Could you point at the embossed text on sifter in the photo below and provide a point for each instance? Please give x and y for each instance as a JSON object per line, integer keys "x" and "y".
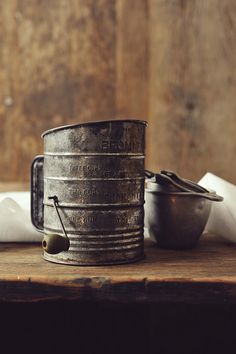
{"x": 87, "y": 192}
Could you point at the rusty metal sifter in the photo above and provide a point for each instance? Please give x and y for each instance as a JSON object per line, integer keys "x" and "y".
{"x": 87, "y": 192}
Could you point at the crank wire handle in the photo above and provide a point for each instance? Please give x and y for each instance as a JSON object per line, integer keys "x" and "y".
{"x": 55, "y": 199}
{"x": 56, "y": 204}
{"x": 54, "y": 243}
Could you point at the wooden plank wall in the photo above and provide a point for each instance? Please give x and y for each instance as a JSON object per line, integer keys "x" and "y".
{"x": 192, "y": 100}
{"x": 171, "y": 62}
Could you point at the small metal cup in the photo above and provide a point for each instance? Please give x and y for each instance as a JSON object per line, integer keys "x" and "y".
{"x": 176, "y": 219}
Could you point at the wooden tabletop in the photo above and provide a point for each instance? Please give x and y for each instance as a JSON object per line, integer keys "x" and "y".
{"x": 206, "y": 274}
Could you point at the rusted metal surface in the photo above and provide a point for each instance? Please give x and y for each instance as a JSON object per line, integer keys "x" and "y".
{"x": 96, "y": 170}
{"x": 37, "y": 192}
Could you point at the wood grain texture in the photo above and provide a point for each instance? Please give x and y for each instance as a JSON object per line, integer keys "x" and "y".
{"x": 206, "y": 274}
{"x": 57, "y": 67}
{"x": 132, "y": 59}
{"x": 14, "y": 186}
{"x": 192, "y": 102}
{"x": 170, "y": 62}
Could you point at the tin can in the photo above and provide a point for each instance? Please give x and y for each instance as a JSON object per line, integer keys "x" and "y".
{"x": 96, "y": 171}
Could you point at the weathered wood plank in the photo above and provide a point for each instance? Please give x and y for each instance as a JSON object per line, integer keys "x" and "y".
{"x": 172, "y": 62}
{"x": 192, "y": 87}
{"x": 132, "y": 59}
{"x": 206, "y": 274}
{"x": 14, "y": 186}
{"x": 57, "y": 67}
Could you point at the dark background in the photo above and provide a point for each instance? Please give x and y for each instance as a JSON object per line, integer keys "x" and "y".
{"x": 104, "y": 328}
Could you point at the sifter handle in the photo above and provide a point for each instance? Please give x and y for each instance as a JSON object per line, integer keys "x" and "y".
{"x": 37, "y": 192}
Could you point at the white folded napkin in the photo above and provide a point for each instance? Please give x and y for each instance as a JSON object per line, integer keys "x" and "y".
{"x": 222, "y": 219}
{"x": 15, "y": 223}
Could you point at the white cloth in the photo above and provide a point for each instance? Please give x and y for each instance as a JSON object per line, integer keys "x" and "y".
{"x": 15, "y": 222}
{"x": 222, "y": 219}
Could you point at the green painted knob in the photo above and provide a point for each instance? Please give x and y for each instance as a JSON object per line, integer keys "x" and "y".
{"x": 53, "y": 243}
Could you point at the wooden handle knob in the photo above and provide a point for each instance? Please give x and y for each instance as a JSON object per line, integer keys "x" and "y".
{"x": 54, "y": 243}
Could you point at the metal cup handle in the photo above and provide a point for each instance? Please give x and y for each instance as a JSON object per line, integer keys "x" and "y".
{"x": 37, "y": 193}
